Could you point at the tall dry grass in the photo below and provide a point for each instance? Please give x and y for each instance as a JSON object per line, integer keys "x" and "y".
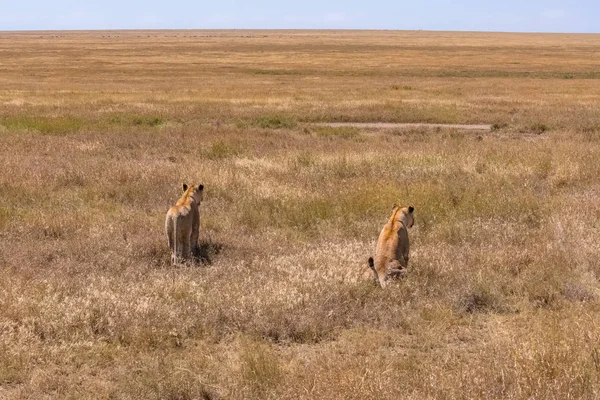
{"x": 98, "y": 131}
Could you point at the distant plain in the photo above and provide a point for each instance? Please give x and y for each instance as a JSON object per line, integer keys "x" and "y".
{"x": 98, "y": 130}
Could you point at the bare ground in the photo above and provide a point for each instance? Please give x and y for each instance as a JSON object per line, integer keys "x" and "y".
{"x": 393, "y": 125}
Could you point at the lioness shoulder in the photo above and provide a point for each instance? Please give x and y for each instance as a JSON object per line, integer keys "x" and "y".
{"x": 183, "y": 222}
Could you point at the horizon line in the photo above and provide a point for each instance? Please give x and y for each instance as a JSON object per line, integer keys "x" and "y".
{"x": 292, "y": 29}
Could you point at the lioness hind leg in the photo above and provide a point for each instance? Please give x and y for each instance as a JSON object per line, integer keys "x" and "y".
{"x": 395, "y": 273}
{"x": 178, "y": 248}
{"x": 195, "y": 233}
{"x": 185, "y": 244}
{"x": 171, "y": 239}
{"x": 194, "y": 243}
{"x": 394, "y": 270}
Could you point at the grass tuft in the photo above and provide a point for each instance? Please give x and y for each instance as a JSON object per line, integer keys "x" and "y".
{"x": 499, "y": 126}
{"x": 259, "y": 366}
{"x": 538, "y": 128}
{"x": 148, "y": 121}
{"x": 220, "y": 150}
{"x": 336, "y": 132}
{"x": 276, "y": 122}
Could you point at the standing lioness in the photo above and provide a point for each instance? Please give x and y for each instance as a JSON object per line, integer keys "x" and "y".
{"x": 183, "y": 222}
{"x": 391, "y": 255}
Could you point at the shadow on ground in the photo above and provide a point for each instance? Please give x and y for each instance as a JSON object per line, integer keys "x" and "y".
{"x": 206, "y": 252}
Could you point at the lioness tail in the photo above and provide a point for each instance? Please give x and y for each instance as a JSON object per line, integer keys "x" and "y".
{"x": 372, "y": 266}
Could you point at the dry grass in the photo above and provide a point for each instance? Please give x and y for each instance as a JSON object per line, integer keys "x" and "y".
{"x": 98, "y": 130}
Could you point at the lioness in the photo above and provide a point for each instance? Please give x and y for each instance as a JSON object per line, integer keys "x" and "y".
{"x": 391, "y": 255}
{"x": 183, "y": 222}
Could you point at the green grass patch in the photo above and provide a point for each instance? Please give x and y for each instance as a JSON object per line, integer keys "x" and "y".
{"x": 302, "y": 215}
{"x": 308, "y": 216}
{"x": 220, "y": 150}
{"x": 275, "y": 122}
{"x": 45, "y": 125}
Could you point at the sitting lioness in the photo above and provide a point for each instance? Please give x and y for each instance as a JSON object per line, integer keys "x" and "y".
{"x": 391, "y": 255}
{"x": 183, "y": 222}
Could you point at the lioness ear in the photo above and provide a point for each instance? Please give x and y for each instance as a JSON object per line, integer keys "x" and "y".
{"x": 184, "y": 187}
{"x": 201, "y": 187}
{"x": 394, "y": 206}
{"x": 411, "y": 209}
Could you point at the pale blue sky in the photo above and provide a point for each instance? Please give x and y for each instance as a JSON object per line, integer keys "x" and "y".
{"x": 479, "y": 15}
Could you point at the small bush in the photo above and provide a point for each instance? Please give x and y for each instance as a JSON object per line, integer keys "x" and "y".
{"x": 480, "y": 299}
{"x": 148, "y": 121}
{"x": 576, "y": 292}
{"x": 498, "y": 126}
{"x": 538, "y": 128}
{"x": 137, "y": 120}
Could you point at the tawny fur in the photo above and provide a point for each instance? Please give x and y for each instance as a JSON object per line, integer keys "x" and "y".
{"x": 183, "y": 223}
{"x": 392, "y": 252}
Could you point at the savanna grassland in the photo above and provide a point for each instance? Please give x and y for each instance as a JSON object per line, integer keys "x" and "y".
{"x": 98, "y": 130}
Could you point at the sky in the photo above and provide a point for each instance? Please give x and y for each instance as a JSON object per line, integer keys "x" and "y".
{"x": 463, "y": 15}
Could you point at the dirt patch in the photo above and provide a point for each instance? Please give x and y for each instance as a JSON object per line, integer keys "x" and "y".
{"x": 392, "y": 125}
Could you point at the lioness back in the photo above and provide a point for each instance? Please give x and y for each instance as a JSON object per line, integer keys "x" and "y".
{"x": 183, "y": 222}
{"x": 393, "y": 247}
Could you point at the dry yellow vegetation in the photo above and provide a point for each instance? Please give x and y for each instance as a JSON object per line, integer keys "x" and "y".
{"x": 98, "y": 130}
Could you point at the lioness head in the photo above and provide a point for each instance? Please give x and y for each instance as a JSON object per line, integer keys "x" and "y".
{"x": 195, "y": 191}
{"x": 404, "y": 214}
